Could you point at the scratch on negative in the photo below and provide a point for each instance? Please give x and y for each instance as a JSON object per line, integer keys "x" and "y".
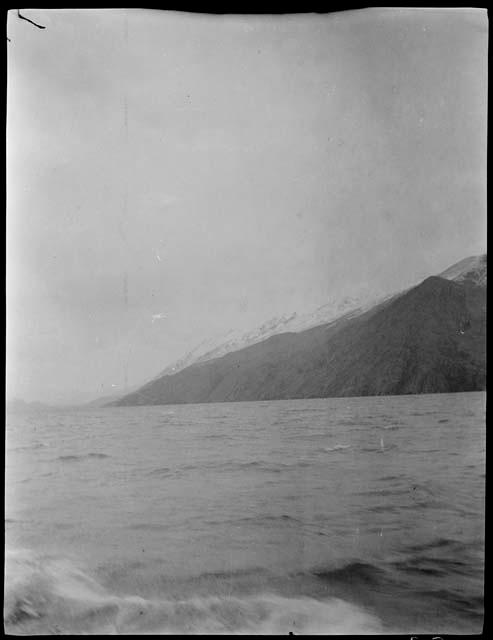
{"x": 40, "y": 26}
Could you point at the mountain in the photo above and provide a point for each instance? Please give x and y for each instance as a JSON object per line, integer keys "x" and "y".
{"x": 428, "y": 339}
{"x": 234, "y": 341}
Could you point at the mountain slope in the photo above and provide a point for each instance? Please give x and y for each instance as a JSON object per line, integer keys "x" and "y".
{"x": 234, "y": 341}
{"x": 429, "y": 339}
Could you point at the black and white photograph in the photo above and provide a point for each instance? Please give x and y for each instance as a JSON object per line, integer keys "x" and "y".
{"x": 245, "y": 322}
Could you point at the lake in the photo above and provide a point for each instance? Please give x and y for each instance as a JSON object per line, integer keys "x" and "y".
{"x": 333, "y": 516}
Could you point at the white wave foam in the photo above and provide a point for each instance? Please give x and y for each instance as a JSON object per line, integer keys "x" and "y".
{"x": 337, "y": 447}
{"x": 50, "y": 595}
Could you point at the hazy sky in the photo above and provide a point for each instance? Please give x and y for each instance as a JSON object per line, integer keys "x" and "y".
{"x": 223, "y": 170}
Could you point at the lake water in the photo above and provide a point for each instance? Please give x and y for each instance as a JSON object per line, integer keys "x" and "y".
{"x": 334, "y": 516}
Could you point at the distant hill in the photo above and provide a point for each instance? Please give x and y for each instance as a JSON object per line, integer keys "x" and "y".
{"x": 428, "y": 339}
{"x": 101, "y": 402}
{"x": 16, "y": 405}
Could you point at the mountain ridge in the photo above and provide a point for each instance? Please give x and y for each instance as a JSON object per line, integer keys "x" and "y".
{"x": 429, "y": 338}
{"x": 473, "y": 267}
{"x": 214, "y": 348}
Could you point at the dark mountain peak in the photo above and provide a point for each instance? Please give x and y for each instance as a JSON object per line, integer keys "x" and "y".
{"x": 437, "y": 283}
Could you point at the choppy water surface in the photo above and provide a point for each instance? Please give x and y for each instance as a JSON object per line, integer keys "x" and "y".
{"x": 353, "y": 515}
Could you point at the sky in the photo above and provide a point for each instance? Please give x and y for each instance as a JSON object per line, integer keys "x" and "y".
{"x": 172, "y": 176}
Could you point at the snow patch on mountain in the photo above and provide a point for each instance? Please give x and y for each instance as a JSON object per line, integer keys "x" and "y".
{"x": 294, "y": 322}
{"x": 472, "y": 269}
